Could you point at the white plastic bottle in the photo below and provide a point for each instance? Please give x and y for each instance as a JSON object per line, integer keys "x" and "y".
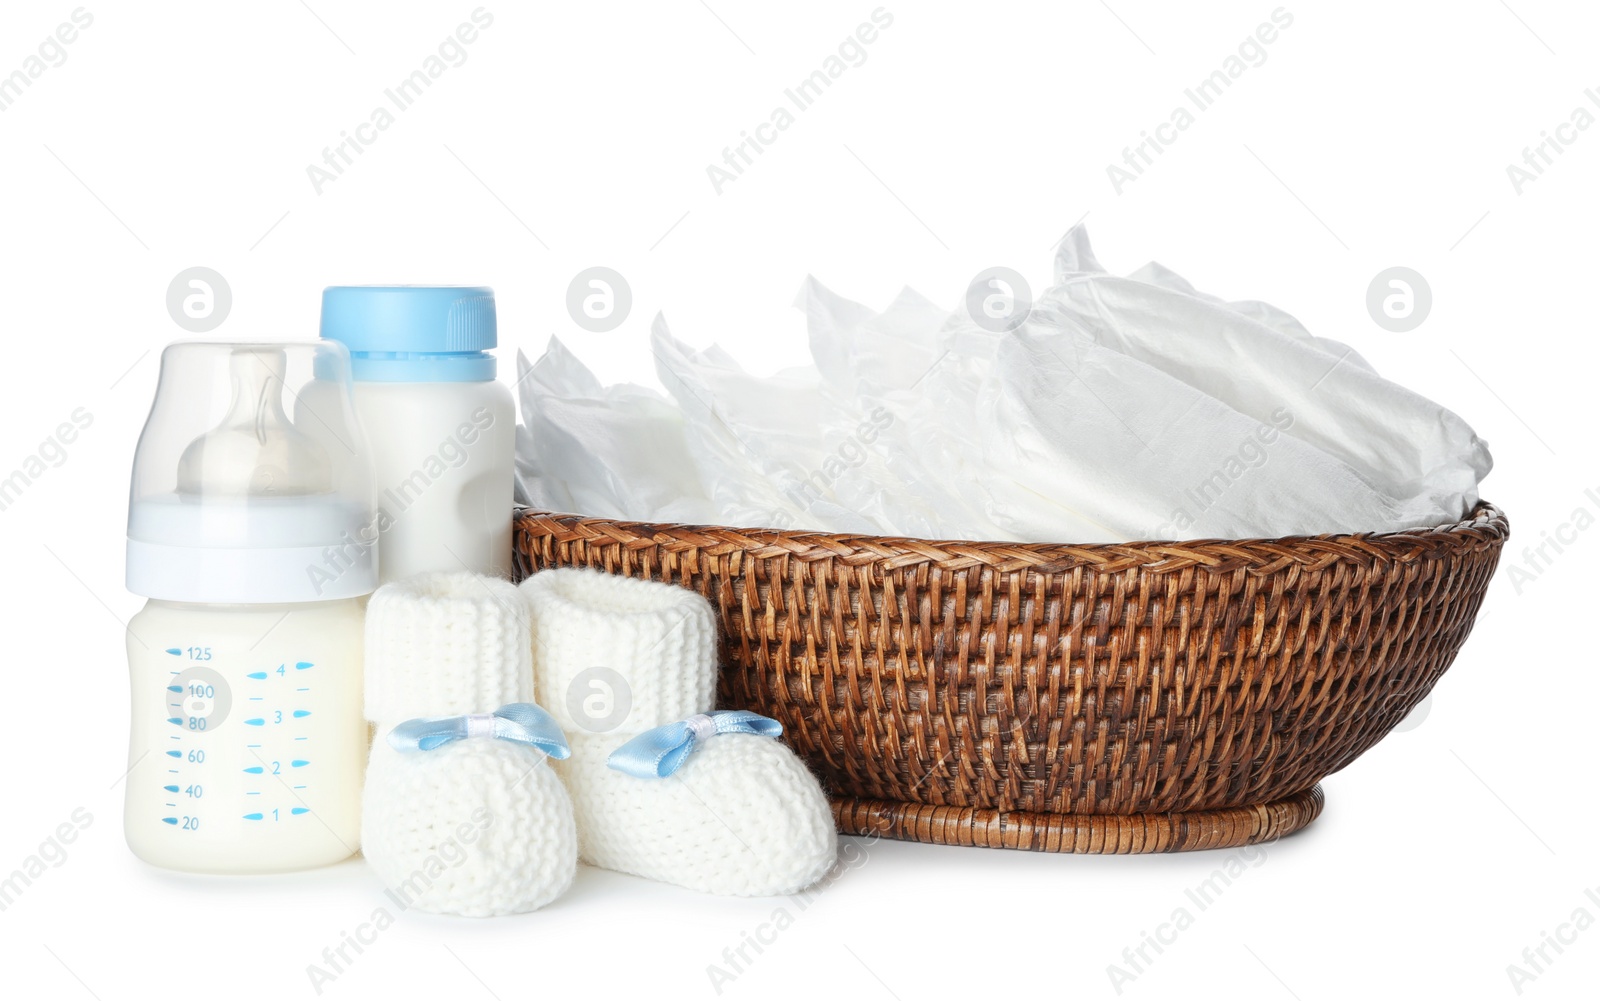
{"x": 442, "y": 431}
{"x": 245, "y": 529}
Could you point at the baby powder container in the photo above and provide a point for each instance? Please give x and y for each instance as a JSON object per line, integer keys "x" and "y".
{"x": 441, "y": 429}
{"x": 250, "y": 531}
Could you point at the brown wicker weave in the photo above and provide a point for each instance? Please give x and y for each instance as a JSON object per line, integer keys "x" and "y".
{"x": 1111, "y": 698}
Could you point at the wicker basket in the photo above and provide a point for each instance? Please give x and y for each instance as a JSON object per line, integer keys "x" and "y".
{"x": 1147, "y": 697}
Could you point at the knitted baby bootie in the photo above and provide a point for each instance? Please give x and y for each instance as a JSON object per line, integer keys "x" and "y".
{"x": 662, "y": 787}
{"x": 461, "y": 813}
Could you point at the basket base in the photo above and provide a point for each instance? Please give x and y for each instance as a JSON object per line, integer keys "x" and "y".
{"x": 1093, "y": 834}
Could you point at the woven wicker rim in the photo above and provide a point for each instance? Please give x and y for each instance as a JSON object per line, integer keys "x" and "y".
{"x": 1486, "y": 524}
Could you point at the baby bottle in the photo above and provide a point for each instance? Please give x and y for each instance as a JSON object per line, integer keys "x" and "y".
{"x": 442, "y": 431}
{"x": 250, "y": 533}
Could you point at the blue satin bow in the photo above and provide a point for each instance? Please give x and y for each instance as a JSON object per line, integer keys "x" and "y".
{"x": 657, "y": 753}
{"x": 519, "y": 722}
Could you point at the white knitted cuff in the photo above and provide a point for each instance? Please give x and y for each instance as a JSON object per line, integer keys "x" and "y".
{"x": 617, "y": 655}
{"x": 444, "y": 644}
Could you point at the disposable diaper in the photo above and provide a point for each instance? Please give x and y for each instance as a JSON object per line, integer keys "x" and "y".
{"x": 1121, "y": 408}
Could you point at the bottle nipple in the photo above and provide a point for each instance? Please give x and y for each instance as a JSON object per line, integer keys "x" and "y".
{"x": 256, "y": 450}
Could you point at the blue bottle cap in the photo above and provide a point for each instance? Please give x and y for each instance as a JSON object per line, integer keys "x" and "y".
{"x": 413, "y": 333}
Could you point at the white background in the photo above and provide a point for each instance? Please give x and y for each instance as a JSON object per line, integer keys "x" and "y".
{"x": 1375, "y": 134}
